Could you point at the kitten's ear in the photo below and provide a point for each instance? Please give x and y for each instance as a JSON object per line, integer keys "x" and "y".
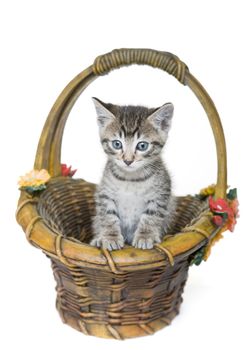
{"x": 105, "y": 117}
{"x": 161, "y": 118}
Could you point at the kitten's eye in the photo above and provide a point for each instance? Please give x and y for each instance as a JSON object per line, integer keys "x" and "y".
{"x": 142, "y": 146}
{"x": 116, "y": 144}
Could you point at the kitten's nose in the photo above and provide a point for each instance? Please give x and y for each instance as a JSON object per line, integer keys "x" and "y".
{"x": 128, "y": 162}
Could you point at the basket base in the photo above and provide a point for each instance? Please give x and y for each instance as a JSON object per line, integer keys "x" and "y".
{"x": 119, "y": 332}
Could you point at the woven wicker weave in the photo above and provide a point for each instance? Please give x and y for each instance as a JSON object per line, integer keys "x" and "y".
{"x": 129, "y": 292}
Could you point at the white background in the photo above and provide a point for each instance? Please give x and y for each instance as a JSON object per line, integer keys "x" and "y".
{"x": 44, "y": 44}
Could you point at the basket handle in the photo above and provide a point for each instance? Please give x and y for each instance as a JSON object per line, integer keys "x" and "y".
{"x": 49, "y": 148}
{"x": 125, "y": 57}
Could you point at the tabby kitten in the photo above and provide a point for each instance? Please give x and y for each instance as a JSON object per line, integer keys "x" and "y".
{"x": 134, "y": 203}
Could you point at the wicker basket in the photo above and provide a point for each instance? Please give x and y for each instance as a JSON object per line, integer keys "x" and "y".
{"x": 129, "y": 292}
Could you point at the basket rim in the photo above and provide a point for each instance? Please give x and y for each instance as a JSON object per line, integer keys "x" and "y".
{"x": 75, "y": 253}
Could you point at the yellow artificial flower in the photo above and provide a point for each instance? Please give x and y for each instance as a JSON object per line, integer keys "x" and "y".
{"x": 208, "y": 191}
{"x": 34, "y": 178}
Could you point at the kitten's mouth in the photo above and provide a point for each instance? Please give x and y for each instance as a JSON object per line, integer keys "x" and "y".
{"x": 131, "y": 167}
{"x": 135, "y": 165}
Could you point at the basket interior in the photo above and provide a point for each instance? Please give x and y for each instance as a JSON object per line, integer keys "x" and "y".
{"x": 67, "y": 206}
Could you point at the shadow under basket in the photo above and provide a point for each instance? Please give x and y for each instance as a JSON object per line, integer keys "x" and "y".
{"x": 129, "y": 292}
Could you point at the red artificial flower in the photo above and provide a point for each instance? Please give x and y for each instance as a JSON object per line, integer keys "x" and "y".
{"x": 219, "y": 205}
{"x": 234, "y": 204}
{"x": 223, "y": 206}
{"x": 217, "y": 220}
{"x": 231, "y": 223}
{"x": 66, "y": 171}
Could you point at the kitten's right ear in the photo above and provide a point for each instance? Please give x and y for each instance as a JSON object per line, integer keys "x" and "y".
{"x": 161, "y": 118}
{"x": 105, "y": 117}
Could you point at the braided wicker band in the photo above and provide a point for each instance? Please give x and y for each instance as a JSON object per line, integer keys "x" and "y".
{"x": 49, "y": 149}
{"x": 125, "y": 57}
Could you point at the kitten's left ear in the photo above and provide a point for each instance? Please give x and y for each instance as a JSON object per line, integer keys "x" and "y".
{"x": 161, "y": 118}
{"x": 105, "y": 117}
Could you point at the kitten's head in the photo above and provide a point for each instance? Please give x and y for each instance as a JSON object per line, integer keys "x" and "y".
{"x": 133, "y": 135}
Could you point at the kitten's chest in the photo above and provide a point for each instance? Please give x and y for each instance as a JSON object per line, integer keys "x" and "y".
{"x": 131, "y": 201}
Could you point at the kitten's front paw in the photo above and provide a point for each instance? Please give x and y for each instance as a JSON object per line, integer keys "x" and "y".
{"x": 145, "y": 241}
{"x": 109, "y": 242}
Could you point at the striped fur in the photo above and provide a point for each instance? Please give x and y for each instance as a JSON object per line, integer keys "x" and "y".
{"x": 134, "y": 202}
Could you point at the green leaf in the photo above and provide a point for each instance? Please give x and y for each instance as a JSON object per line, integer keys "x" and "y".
{"x": 223, "y": 214}
{"x": 232, "y": 194}
{"x": 33, "y": 189}
{"x": 197, "y": 258}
